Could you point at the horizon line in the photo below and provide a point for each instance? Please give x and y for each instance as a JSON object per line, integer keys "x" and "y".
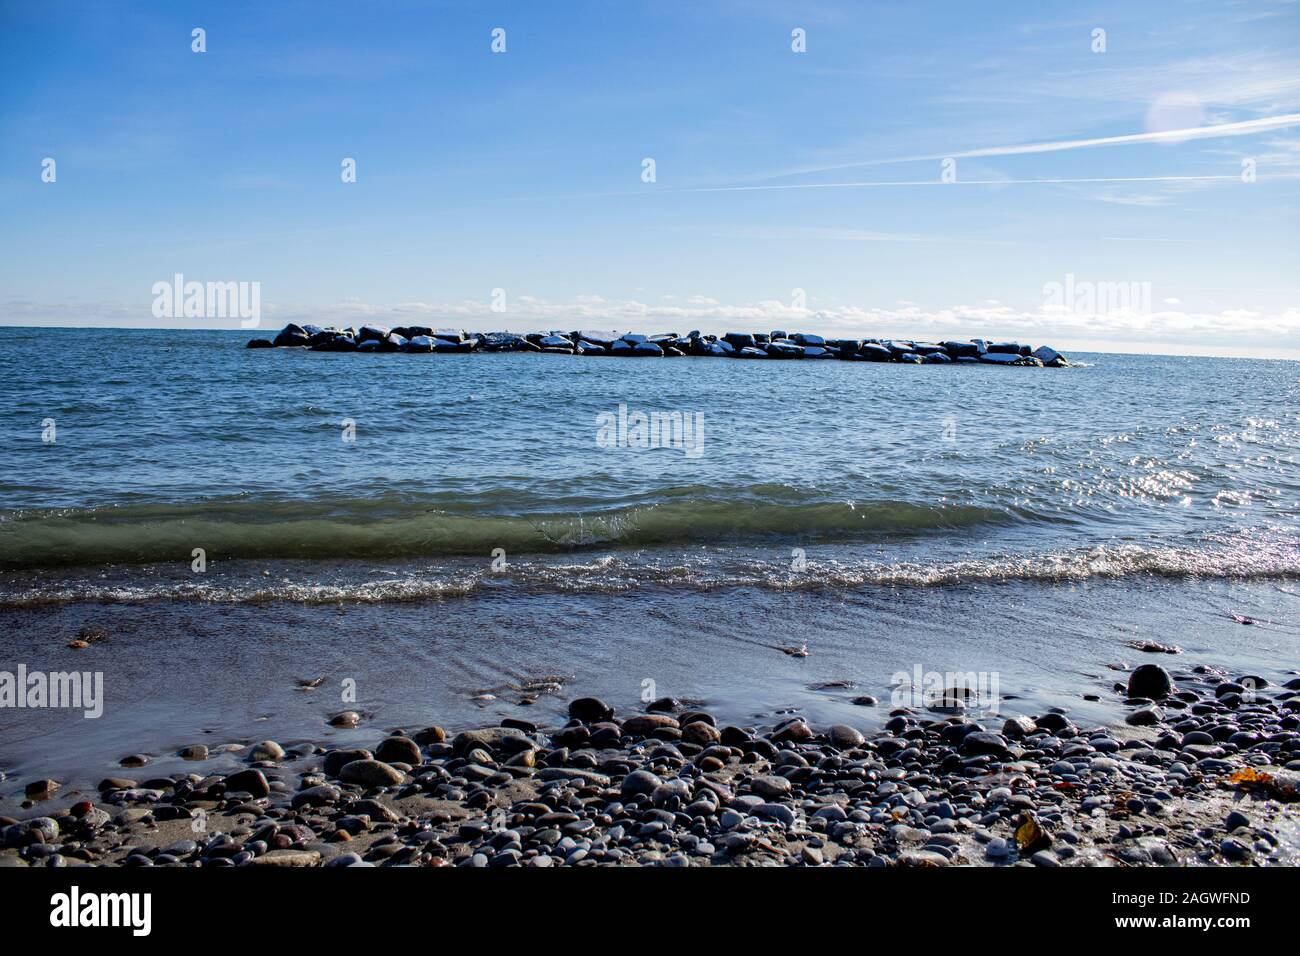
{"x": 1083, "y": 349}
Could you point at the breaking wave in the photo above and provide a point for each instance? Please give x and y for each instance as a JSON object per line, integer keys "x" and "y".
{"x": 1236, "y": 556}
{"x": 363, "y": 529}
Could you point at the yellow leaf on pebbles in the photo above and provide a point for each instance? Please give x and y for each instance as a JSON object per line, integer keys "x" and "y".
{"x": 1281, "y": 784}
{"x": 1031, "y": 837}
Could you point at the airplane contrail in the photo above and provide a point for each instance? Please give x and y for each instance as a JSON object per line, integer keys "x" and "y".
{"x": 957, "y": 182}
{"x": 1242, "y": 128}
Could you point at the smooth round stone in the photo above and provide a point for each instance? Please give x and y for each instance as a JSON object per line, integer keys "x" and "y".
{"x": 702, "y": 733}
{"x": 590, "y": 710}
{"x": 775, "y": 811}
{"x": 1143, "y": 717}
{"x": 371, "y": 773}
{"x": 398, "y": 749}
{"x": 1150, "y": 680}
{"x": 266, "y": 750}
{"x": 1234, "y": 849}
{"x": 845, "y": 737}
{"x": 998, "y": 849}
{"x": 640, "y": 782}
{"x": 772, "y": 787}
{"x": 730, "y": 819}
{"x": 670, "y": 789}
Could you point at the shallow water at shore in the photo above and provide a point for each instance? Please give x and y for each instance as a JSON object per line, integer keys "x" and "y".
{"x": 179, "y": 673}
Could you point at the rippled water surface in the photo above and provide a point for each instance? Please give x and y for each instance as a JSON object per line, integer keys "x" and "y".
{"x": 167, "y": 441}
{"x": 881, "y": 514}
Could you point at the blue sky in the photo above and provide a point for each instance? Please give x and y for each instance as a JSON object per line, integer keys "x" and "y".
{"x": 522, "y": 170}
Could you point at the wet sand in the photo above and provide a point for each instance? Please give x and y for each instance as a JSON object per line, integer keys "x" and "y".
{"x": 185, "y": 673}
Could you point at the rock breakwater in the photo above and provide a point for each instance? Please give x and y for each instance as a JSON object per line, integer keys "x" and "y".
{"x": 776, "y": 345}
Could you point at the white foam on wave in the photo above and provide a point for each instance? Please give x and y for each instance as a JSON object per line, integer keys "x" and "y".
{"x": 1238, "y": 555}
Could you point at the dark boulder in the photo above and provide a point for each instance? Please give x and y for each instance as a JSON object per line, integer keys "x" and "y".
{"x": 999, "y": 358}
{"x": 502, "y": 342}
{"x": 1144, "y": 717}
{"x": 260, "y": 344}
{"x": 783, "y": 350}
{"x": 250, "y": 781}
{"x": 958, "y": 350}
{"x": 441, "y": 345}
{"x": 292, "y": 335}
{"x": 1150, "y": 680}
{"x": 597, "y": 337}
{"x": 980, "y": 743}
{"x": 1052, "y": 722}
{"x": 590, "y": 710}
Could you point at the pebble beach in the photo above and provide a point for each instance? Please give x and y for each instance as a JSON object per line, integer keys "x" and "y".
{"x": 1205, "y": 771}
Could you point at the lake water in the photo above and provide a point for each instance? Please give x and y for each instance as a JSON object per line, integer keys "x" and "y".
{"x": 459, "y": 533}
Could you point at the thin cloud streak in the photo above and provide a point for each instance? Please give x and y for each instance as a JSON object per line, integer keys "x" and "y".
{"x": 956, "y": 182}
{"x": 1216, "y": 131}
{"x": 1244, "y": 128}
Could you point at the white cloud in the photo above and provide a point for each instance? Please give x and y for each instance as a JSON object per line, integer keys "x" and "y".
{"x": 1233, "y": 331}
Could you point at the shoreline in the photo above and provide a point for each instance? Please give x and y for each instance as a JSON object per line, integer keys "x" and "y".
{"x": 1205, "y": 771}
